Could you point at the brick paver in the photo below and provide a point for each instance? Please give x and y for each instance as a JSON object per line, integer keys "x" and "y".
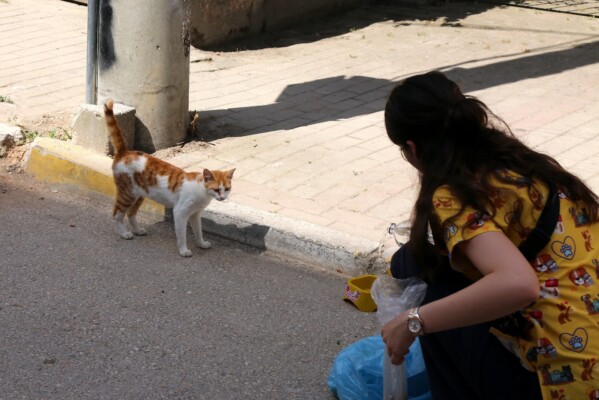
{"x": 303, "y": 123}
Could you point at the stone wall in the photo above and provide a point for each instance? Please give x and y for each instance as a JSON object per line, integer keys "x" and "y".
{"x": 215, "y": 22}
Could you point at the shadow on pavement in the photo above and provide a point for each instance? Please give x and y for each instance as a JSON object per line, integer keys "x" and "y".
{"x": 328, "y": 99}
{"x": 341, "y": 23}
{"x": 528, "y": 67}
{"x": 343, "y": 97}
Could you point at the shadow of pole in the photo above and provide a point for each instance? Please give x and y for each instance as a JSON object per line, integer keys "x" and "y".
{"x": 343, "y": 97}
{"x": 299, "y": 105}
{"x": 529, "y": 67}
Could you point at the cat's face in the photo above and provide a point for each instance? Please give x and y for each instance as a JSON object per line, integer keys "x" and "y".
{"x": 218, "y": 183}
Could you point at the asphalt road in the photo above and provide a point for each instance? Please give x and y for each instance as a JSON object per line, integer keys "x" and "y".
{"x": 85, "y": 314}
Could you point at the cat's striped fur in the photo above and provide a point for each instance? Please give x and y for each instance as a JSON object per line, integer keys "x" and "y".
{"x": 138, "y": 175}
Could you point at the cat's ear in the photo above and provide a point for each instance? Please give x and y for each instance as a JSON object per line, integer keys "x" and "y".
{"x": 229, "y": 173}
{"x": 208, "y": 175}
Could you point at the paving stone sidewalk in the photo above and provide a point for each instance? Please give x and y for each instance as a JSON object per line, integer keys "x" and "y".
{"x": 575, "y": 7}
{"x": 302, "y": 120}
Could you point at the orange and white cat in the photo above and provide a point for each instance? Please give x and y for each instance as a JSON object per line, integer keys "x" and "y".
{"x": 138, "y": 175}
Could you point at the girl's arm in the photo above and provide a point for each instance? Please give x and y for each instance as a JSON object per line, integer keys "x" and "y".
{"x": 509, "y": 284}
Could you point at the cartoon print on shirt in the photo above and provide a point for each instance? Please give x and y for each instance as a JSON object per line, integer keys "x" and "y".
{"x": 587, "y": 371}
{"x": 518, "y": 181}
{"x": 550, "y": 288}
{"x": 514, "y": 215}
{"x": 544, "y": 263}
{"x": 591, "y": 305}
{"x": 564, "y": 315}
{"x": 442, "y": 202}
{"x": 581, "y": 218}
{"x": 556, "y": 377}
{"x": 545, "y": 348}
{"x": 580, "y": 277}
{"x": 558, "y": 395}
{"x": 575, "y": 341}
{"x": 475, "y": 220}
{"x": 565, "y": 249}
{"x": 513, "y": 218}
{"x": 498, "y": 199}
{"x": 559, "y": 227}
{"x": 567, "y": 314}
{"x": 536, "y": 316}
{"x": 587, "y": 240}
{"x": 536, "y": 197}
{"x": 450, "y": 231}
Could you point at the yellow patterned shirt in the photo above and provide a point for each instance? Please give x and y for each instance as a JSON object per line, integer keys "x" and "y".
{"x": 562, "y": 344}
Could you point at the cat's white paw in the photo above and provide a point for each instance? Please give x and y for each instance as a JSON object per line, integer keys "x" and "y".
{"x": 127, "y": 235}
{"x": 185, "y": 253}
{"x": 141, "y": 232}
{"x": 204, "y": 244}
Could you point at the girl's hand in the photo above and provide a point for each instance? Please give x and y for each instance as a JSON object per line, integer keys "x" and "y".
{"x": 397, "y": 338}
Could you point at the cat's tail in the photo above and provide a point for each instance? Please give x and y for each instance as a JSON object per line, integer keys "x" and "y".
{"x": 114, "y": 130}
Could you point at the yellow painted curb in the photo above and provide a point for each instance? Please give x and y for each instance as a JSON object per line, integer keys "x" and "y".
{"x": 56, "y": 161}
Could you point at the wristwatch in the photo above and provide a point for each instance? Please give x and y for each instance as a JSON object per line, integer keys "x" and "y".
{"x": 415, "y": 324}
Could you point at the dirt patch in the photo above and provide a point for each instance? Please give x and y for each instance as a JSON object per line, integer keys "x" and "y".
{"x": 56, "y": 126}
{"x": 203, "y": 134}
{"x": 187, "y": 147}
{"x": 59, "y": 127}
{"x": 14, "y": 160}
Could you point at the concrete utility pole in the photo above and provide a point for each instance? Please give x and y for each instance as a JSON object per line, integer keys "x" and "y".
{"x": 143, "y": 62}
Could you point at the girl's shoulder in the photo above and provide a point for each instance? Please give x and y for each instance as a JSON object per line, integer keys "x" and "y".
{"x": 514, "y": 205}
{"x": 503, "y": 180}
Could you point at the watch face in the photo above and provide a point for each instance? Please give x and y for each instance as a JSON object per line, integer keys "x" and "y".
{"x": 414, "y": 325}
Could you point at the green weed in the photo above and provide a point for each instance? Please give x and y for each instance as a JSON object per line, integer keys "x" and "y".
{"x": 30, "y": 136}
{"x": 62, "y": 135}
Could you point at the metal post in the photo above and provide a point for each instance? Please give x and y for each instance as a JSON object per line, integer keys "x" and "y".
{"x": 92, "y": 52}
{"x": 143, "y": 62}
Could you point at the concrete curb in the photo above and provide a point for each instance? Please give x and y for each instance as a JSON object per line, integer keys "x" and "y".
{"x": 60, "y": 162}
{"x": 64, "y": 163}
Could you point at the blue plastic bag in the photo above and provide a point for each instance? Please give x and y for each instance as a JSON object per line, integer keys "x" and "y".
{"x": 357, "y": 372}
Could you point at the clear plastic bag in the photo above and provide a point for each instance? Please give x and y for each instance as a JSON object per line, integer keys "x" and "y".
{"x": 392, "y": 297}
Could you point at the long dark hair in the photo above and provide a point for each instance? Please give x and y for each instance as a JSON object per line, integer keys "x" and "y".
{"x": 462, "y": 144}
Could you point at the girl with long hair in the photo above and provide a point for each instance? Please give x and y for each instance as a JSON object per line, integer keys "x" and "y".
{"x": 513, "y": 268}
